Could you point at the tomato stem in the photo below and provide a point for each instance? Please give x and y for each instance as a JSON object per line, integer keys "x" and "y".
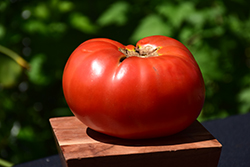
{"x": 144, "y": 51}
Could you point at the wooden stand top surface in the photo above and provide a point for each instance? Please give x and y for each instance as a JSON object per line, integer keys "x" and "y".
{"x": 77, "y": 140}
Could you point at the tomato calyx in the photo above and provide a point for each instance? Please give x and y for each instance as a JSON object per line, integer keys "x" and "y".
{"x": 140, "y": 51}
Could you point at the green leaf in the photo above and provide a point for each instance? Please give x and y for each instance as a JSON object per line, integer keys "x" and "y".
{"x": 9, "y": 71}
{"x": 176, "y": 14}
{"x": 234, "y": 23}
{"x": 35, "y": 26}
{"x": 65, "y": 6}
{"x": 82, "y": 23}
{"x": 41, "y": 11}
{"x": 196, "y": 19}
{"x": 57, "y": 27}
{"x": 244, "y": 99}
{"x": 3, "y": 5}
{"x": 2, "y": 31}
{"x": 186, "y": 33}
{"x": 219, "y": 115}
{"x": 215, "y": 13}
{"x": 26, "y": 133}
{"x": 115, "y": 14}
{"x": 36, "y": 71}
{"x": 151, "y": 25}
{"x": 207, "y": 58}
{"x": 212, "y": 32}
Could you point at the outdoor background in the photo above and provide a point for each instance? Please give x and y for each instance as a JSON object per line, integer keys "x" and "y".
{"x": 45, "y": 33}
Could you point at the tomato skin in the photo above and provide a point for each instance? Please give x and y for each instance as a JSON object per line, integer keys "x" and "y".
{"x": 140, "y": 97}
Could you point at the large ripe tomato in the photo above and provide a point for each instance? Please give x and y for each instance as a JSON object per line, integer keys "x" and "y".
{"x": 149, "y": 90}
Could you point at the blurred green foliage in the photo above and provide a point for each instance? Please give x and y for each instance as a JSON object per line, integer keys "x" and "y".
{"x": 45, "y": 33}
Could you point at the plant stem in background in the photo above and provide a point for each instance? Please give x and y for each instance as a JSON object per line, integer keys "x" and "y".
{"x": 15, "y": 57}
{"x": 5, "y": 163}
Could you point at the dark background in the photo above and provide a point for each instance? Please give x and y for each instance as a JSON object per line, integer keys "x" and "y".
{"x": 45, "y": 33}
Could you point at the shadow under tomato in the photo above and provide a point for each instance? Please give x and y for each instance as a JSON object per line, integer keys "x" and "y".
{"x": 194, "y": 133}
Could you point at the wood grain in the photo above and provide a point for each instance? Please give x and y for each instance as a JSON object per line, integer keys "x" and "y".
{"x": 82, "y": 146}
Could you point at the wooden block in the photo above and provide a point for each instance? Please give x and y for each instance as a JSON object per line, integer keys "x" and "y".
{"x": 82, "y": 146}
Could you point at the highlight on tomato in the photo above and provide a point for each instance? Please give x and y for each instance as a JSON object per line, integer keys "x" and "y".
{"x": 149, "y": 90}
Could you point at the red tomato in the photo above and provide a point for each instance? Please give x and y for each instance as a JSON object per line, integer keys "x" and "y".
{"x": 149, "y": 90}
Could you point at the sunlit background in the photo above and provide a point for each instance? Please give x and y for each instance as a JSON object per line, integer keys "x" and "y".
{"x": 37, "y": 37}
